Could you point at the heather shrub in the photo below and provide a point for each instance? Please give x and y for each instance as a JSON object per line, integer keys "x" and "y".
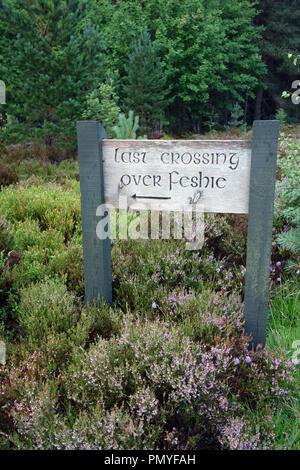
{"x": 68, "y": 263}
{"x": 8, "y": 296}
{"x": 27, "y": 234}
{"x": 238, "y": 434}
{"x": 44, "y": 253}
{"x": 50, "y": 317}
{"x": 45, "y": 171}
{"x": 30, "y": 150}
{"x": 31, "y": 268}
{"x": 105, "y": 321}
{"x": 21, "y": 381}
{"x": 225, "y": 236}
{"x": 164, "y": 377}
{"x": 6, "y": 239}
{"x": 106, "y": 430}
{"x": 205, "y": 317}
{"x": 46, "y": 306}
{"x": 52, "y": 206}
{"x": 146, "y": 271}
{"x": 41, "y": 427}
{"x": 7, "y": 175}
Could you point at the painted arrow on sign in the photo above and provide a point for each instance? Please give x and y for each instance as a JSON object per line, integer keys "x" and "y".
{"x": 134, "y": 196}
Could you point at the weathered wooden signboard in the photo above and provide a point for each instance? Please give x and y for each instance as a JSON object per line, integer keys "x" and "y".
{"x": 171, "y": 172}
{"x": 233, "y": 176}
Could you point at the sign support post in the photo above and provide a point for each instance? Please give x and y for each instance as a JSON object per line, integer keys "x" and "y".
{"x": 96, "y": 252}
{"x": 260, "y": 225}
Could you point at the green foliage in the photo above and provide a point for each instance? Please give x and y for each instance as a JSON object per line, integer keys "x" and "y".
{"x": 281, "y": 116}
{"x": 7, "y": 175}
{"x": 237, "y": 117}
{"x": 209, "y": 50}
{"x": 145, "y": 90}
{"x": 127, "y": 127}
{"x": 34, "y": 161}
{"x": 44, "y": 232}
{"x": 284, "y": 325}
{"x": 145, "y": 388}
{"x": 48, "y": 314}
{"x": 53, "y": 207}
{"x": 287, "y": 201}
{"x": 6, "y": 239}
{"x": 290, "y": 241}
{"x": 211, "y": 55}
{"x": 46, "y": 308}
{"x": 102, "y": 106}
{"x": 51, "y": 59}
{"x": 203, "y": 55}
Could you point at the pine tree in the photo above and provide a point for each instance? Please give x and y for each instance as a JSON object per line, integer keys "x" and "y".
{"x": 52, "y": 58}
{"x": 145, "y": 90}
{"x": 237, "y": 118}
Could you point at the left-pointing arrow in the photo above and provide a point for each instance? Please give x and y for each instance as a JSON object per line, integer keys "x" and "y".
{"x": 134, "y": 196}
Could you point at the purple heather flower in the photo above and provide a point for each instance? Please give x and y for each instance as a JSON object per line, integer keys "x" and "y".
{"x": 278, "y": 264}
{"x": 248, "y": 359}
{"x": 154, "y": 305}
{"x": 236, "y": 361}
{"x": 298, "y": 272}
{"x": 210, "y": 257}
{"x": 278, "y": 279}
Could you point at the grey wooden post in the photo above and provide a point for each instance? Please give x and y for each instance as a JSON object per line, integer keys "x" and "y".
{"x": 260, "y": 225}
{"x": 96, "y": 252}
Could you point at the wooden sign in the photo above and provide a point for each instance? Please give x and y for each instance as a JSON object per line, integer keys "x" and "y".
{"x": 168, "y": 174}
{"x": 224, "y": 176}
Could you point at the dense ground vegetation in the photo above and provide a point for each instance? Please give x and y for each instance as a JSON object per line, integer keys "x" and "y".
{"x": 167, "y": 365}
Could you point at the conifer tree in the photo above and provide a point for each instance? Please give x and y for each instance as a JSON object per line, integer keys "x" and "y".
{"x": 52, "y": 58}
{"x": 145, "y": 90}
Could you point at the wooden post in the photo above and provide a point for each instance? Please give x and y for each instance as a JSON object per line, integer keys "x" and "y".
{"x": 96, "y": 252}
{"x": 260, "y": 225}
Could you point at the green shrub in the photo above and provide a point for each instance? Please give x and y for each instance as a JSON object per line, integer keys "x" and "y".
{"x": 6, "y": 238}
{"x": 145, "y": 271}
{"x": 46, "y": 307}
{"x": 50, "y": 316}
{"x": 287, "y": 200}
{"x": 237, "y": 119}
{"x": 177, "y": 388}
{"x": 52, "y": 206}
{"x": 7, "y": 175}
{"x": 281, "y": 116}
{"x": 27, "y": 234}
{"x": 68, "y": 262}
{"x": 127, "y": 127}
{"x": 102, "y": 106}
{"x": 106, "y": 322}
